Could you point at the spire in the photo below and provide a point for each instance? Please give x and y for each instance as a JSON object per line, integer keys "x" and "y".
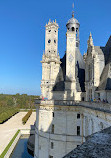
{"x": 73, "y": 10}
{"x": 90, "y": 34}
{"x": 90, "y": 41}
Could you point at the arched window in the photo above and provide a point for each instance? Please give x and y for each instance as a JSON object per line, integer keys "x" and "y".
{"x": 49, "y": 41}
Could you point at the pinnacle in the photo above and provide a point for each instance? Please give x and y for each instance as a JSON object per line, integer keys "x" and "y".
{"x": 90, "y": 34}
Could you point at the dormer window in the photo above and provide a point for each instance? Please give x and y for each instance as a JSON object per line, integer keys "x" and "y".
{"x": 49, "y": 41}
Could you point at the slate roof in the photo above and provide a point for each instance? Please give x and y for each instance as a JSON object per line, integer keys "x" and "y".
{"x": 105, "y": 79}
{"x": 99, "y": 50}
{"x": 60, "y": 86}
{"x": 80, "y": 73}
{"x": 98, "y": 145}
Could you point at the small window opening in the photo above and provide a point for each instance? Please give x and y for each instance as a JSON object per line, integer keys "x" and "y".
{"x": 52, "y": 145}
{"x": 53, "y": 114}
{"x": 72, "y": 28}
{"x": 49, "y": 41}
{"x": 78, "y": 130}
{"x": 49, "y": 30}
{"x": 52, "y": 130}
{"x": 77, "y": 44}
{"x": 78, "y": 116}
{"x": 55, "y": 31}
{"x": 78, "y": 145}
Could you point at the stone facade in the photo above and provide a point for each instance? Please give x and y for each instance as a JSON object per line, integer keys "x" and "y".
{"x": 97, "y": 71}
{"x": 60, "y": 129}
{"x": 50, "y": 60}
{"x": 72, "y": 78}
{"x": 63, "y": 121}
{"x": 62, "y": 79}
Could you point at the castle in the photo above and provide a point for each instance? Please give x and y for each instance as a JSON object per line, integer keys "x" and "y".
{"x": 75, "y": 77}
{"x": 65, "y": 115}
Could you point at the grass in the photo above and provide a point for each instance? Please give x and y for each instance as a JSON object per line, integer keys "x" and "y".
{"x": 9, "y": 145}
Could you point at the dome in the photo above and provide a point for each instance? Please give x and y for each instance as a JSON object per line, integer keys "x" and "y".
{"x": 72, "y": 23}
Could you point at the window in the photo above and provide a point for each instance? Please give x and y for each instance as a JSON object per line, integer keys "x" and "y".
{"x": 53, "y": 114}
{"x": 54, "y": 41}
{"x": 52, "y": 145}
{"x": 78, "y": 116}
{"x": 49, "y": 30}
{"x": 78, "y": 130}
{"x": 49, "y": 41}
{"x": 72, "y": 28}
{"x": 52, "y": 130}
{"x": 50, "y": 156}
{"x": 82, "y": 98}
{"x": 78, "y": 145}
{"x": 77, "y": 44}
{"x": 55, "y": 31}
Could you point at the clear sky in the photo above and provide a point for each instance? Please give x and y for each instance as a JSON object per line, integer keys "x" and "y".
{"x": 22, "y": 35}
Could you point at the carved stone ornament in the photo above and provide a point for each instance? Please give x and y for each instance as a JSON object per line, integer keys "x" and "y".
{"x": 71, "y": 58}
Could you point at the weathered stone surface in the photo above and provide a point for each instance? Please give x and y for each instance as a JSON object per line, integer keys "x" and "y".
{"x": 98, "y": 145}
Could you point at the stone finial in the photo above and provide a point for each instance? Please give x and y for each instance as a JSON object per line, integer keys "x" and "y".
{"x": 90, "y": 41}
{"x": 49, "y": 21}
{"x": 90, "y": 34}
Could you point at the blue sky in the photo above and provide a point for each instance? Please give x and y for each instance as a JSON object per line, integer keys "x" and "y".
{"x": 22, "y": 35}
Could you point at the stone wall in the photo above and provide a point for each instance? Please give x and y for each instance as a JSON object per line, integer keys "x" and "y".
{"x": 64, "y": 118}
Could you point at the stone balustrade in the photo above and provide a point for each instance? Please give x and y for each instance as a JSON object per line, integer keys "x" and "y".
{"x": 94, "y": 105}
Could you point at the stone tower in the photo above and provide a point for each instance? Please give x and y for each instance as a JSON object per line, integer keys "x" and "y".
{"x": 94, "y": 65}
{"x": 50, "y": 60}
{"x": 74, "y": 60}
